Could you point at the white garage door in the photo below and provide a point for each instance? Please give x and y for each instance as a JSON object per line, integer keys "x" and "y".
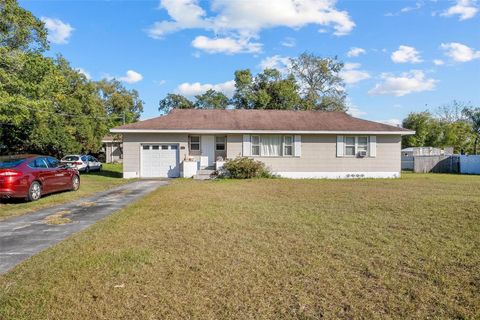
{"x": 160, "y": 160}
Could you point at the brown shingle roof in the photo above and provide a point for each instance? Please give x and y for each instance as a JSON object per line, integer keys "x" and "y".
{"x": 235, "y": 120}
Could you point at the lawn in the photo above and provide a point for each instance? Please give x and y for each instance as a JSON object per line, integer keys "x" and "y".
{"x": 91, "y": 183}
{"x": 404, "y": 248}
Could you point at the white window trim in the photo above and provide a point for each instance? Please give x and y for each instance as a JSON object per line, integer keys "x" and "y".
{"x": 282, "y": 147}
{"x": 259, "y": 145}
{"x": 355, "y": 155}
{"x": 284, "y": 144}
{"x": 199, "y": 142}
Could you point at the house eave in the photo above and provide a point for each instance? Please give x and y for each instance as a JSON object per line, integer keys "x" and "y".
{"x": 213, "y": 131}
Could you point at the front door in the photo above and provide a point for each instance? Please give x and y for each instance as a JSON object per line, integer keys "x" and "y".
{"x": 208, "y": 149}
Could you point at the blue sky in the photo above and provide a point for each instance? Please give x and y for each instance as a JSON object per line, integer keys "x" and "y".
{"x": 401, "y": 56}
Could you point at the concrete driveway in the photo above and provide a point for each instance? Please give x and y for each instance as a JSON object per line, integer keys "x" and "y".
{"x": 22, "y": 237}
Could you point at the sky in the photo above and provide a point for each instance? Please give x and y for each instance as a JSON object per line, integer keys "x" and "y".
{"x": 400, "y": 56}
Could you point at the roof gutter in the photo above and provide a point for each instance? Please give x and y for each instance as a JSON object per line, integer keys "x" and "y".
{"x": 212, "y": 131}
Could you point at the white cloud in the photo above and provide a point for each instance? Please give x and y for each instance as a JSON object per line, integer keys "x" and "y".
{"x": 276, "y": 62}
{"x": 353, "y": 109}
{"x": 84, "y": 72}
{"x": 196, "y": 88}
{"x": 465, "y": 9}
{"x": 460, "y": 52}
{"x": 438, "y": 62}
{"x": 406, "y": 54}
{"x": 288, "y": 42}
{"x": 406, "y": 83}
{"x": 243, "y": 20}
{"x": 355, "y": 52}
{"x": 226, "y": 45}
{"x": 131, "y": 77}
{"x": 58, "y": 31}
{"x": 392, "y": 122}
{"x": 418, "y": 5}
{"x": 350, "y": 73}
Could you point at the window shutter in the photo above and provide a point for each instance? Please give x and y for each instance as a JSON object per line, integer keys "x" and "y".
{"x": 246, "y": 145}
{"x": 340, "y": 146}
{"x": 373, "y": 146}
{"x": 298, "y": 145}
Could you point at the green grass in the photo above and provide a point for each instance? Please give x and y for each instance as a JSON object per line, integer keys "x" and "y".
{"x": 276, "y": 249}
{"x": 91, "y": 183}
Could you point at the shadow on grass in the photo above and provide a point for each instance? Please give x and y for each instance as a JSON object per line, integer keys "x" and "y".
{"x": 104, "y": 173}
{"x": 24, "y": 199}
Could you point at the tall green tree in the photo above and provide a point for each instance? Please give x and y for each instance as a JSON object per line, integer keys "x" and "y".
{"x": 319, "y": 78}
{"x": 174, "y": 101}
{"x": 243, "y": 98}
{"x": 20, "y": 29}
{"x": 121, "y": 105}
{"x": 211, "y": 99}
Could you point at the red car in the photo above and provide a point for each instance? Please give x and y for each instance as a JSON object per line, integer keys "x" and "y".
{"x": 31, "y": 176}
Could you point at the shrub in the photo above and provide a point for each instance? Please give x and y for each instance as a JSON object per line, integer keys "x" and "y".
{"x": 245, "y": 168}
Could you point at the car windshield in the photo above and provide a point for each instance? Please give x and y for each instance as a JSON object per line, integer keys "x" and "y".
{"x": 7, "y": 164}
{"x": 70, "y": 158}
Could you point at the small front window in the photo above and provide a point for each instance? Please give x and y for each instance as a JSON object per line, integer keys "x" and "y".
{"x": 195, "y": 143}
{"x": 164, "y": 147}
{"x": 255, "y": 145}
{"x": 362, "y": 144}
{"x": 354, "y": 145}
{"x": 147, "y": 147}
{"x": 287, "y": 145}
{"x": 220, "y": 143}
{"x": 350, "y": 146}
{"x": 155, "y": 147}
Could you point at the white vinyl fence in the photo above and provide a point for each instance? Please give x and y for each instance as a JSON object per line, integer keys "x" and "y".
{"x": 470, "y": 164}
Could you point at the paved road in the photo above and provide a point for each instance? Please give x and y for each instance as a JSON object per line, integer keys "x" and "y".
{"x": 22, "y": 237}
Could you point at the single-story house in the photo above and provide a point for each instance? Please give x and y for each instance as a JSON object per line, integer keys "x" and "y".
{"x": 293, "y": 144}
{"x": 112, "y": 147}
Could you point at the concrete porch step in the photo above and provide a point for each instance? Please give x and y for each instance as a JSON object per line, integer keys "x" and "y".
{"x": 204, "y": 174}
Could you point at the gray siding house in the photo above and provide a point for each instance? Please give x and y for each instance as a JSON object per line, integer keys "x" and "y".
{"x": 293, "y": 144}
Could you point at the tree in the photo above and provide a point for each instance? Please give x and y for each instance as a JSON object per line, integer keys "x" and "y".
{"x": 243, "y": 98}
{"x": 174, "y": 101}
{"x": 20, "y": 29}
{"x": 268, "y": 90}
{"x": 121, "y": 105}
{"x": 211, "y": 100}
{"x": 47, "y": 107}
{"x": 319, "y": 78}
{"x": 426, "y": 130}
{"x": 473, "y": 115}
{"x": 273, "y": 91}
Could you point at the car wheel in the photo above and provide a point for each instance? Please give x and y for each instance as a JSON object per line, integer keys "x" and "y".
{"x": 34, "y": 192}
{"x": 75, "y": 183}
{"x": 87, "y": 169}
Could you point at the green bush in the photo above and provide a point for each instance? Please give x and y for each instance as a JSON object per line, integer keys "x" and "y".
{"x": 245, "y": 168}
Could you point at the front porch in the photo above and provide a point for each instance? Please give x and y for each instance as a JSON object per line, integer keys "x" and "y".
{"x": 206, "y": 154}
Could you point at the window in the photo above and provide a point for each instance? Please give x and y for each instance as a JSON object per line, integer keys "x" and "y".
{"x": 220, "y": 143}
{"x": 38, "y": 163}
{"x": 155, "y": 147}
{"x": 353, "y": 145}
{"x": 255, "y": 145}
{"x": 362, "y": 144}
{"x": 144, "y": 148}
{"x": 164, "y": 147}
{"x": 52, "y": 162}
{"x": 195, "y": 143}
{"x": 271, "y": 145}
{"x": 288, "y": 146}
{"x": 349, "y": 146}
{"x": 173, "y": 147}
